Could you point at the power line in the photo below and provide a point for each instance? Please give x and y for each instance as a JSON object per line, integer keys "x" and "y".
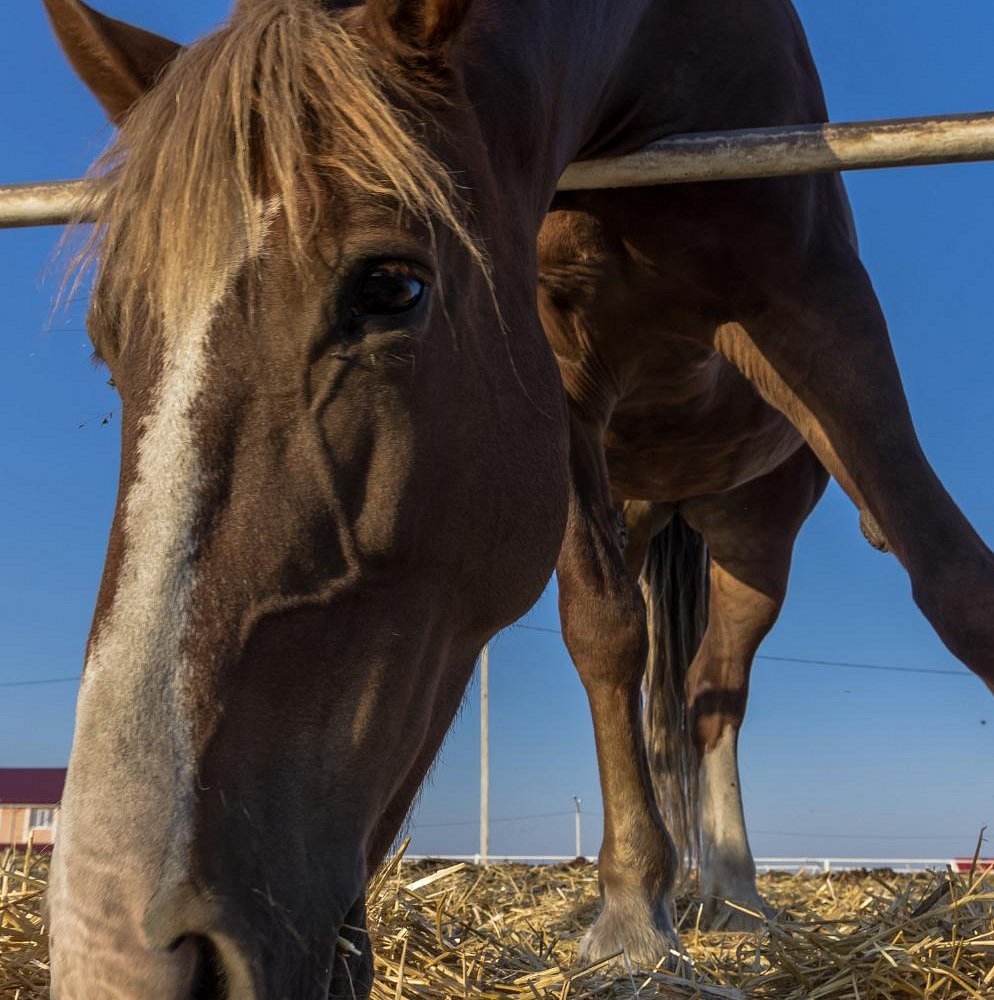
{"x": 809, "y": 662}
{"x": 560, "y": 815}
{"x": 537, "y": 628}
{"x": 855, "y": 836}
{"x": 50, "y": 680}
{"x": 867, "y": 666}
{"x": 765, "y": 833}
{"x": 844, "y": 664}
{"x": 506, "y": 819}
{"x": 834, "y": 836}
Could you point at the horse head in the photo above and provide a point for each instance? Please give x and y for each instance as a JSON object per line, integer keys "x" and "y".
{"x": 343, "y": 469}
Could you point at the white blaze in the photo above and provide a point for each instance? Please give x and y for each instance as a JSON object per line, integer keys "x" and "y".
{"x": 128, "y": 808}
{"x": 138, "y": 649}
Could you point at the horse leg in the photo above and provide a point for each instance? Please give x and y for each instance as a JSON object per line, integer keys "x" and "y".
{"x": 603, "y": 619}
{"x": 750, "y": 533}
{"x": 818, "y": 349}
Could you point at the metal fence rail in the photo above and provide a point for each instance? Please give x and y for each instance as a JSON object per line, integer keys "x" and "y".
{"x": 799, "y": 865}
{"x": 51, "y": 203}
{"x": 785, "y": 151}
{"x": 707, "y": 156}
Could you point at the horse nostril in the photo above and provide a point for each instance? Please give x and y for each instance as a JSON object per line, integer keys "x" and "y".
{"x": 209, "y": 979}
{"x": 179, "y": 921}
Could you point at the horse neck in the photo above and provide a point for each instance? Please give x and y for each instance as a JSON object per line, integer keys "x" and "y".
{"x": 544, "y": 79}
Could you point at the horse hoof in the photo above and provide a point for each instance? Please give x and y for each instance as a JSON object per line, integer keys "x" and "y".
{"x": 635, "y": 939}
{"x": 745, "y": 916}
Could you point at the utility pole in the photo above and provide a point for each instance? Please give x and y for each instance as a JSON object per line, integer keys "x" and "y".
{"x": 576, "y": 799}
{"x": 485, "y": 756}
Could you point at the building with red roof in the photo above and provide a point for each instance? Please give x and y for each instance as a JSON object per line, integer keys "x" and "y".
{"x": 29, "y": 804}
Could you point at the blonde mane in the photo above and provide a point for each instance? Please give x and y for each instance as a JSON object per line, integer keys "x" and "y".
{"x": 274, "y": 105}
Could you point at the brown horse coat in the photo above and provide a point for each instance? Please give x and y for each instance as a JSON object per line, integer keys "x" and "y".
{"x": 343, "y": 468}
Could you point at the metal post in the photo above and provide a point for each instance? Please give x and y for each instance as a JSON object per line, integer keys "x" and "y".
{"x": 579, "y": 852}
{"x": 485, "y": 756}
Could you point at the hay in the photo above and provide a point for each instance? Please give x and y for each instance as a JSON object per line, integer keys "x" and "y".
{"x": 23, "y": 948}
{"x": 509, "y": 932}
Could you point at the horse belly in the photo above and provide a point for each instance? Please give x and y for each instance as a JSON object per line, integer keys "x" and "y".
{"x": 669, "y": 454}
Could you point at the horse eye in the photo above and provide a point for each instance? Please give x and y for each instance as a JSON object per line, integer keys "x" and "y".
{"x": 387, "y": 291}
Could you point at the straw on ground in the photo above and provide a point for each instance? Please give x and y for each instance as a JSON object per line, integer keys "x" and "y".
{"x": 509, "y": 932}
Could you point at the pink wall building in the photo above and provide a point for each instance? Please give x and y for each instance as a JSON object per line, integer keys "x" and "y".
{"x": 29, "y": 804}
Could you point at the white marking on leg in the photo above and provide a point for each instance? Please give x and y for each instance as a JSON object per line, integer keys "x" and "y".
{"x": 727, "y": 868}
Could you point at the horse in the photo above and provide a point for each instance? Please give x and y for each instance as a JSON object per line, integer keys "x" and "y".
{"x": 379, "y": 379}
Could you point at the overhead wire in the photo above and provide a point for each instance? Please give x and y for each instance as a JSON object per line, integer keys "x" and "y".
{"x": 765, "y": 833}
{"x": 804, "y": 661}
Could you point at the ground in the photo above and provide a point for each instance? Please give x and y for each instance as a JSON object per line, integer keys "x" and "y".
{"x": 510, "y": 931}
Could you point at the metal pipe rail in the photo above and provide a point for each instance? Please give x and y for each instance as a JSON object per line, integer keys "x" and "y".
{"x": 49, "y": 203}
{"x": 787, "y": 151}
{"x": 777, "y": 151}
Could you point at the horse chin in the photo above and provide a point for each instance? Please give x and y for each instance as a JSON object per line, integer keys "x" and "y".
{"x": 352, "y": 972}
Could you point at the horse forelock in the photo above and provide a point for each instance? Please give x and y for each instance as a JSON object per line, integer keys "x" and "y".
{"x": 275, "y": 107}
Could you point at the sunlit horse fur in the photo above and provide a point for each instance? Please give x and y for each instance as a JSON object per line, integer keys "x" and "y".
{"x": 330, "y": 273}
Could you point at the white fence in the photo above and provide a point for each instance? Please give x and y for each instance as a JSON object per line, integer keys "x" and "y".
{"x": 814, "y": 865}
{"x": 808, "y": 866}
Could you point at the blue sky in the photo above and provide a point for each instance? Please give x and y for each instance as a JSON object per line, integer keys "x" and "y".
{"x": 836, "y": 761}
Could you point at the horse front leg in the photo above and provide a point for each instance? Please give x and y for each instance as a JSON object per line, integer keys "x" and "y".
{"x": 819, "y": 351}
{"x": 603, "y": 619}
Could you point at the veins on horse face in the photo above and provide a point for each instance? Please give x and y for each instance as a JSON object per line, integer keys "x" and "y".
{"x": 621, "y": 529}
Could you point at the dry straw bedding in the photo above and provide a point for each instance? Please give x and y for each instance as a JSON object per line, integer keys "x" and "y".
{"x": 510, "y": 931}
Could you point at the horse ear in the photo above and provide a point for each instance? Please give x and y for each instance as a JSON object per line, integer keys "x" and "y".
{"x": 117, "y": 61}
{"x": 424, "y": 26}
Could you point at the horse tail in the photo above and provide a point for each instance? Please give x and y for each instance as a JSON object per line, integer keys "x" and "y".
{"x": 675, "y": 584}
